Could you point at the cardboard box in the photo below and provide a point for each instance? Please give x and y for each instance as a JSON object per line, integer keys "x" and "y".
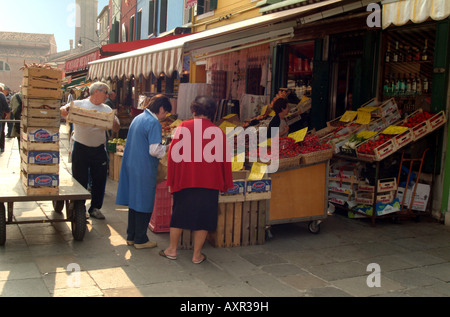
{"x": 420, "y": 198}
{"x": 41, "y": 180}
{"x": 41, "y": 157}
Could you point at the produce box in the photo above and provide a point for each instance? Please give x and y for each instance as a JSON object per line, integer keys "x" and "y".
{"x": 258, "y": 190}
{"x": 342, "y": 188}
{"x": 36, "y": 134}
{"x": 403, "y": 139}
{"x": 388, "y": 107}
{"x": 92, "y": 118}
{"x": 367, "y": 198}
{"x": 40, "y": 157}
{"x": 39, "y": 168}
{"x": 349, "y": 147}
{"x": 387, "y": 184}
{"x": 421, "y": 196}
{"x": 40, "y": 180}
{"x": 42, "y": 83}
{"x": 41, "y": 113}
{"x": 392, "y": 118}
{"x": 437, "y": 120}
{"x": 381, "y": 209}
{"x": 364, "y": 187}
{"x": 376, "y": 148}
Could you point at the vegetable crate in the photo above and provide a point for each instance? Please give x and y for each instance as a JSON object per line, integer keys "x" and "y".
{"x": 41, "y": 113}
{"x": 40, "y": 184}
{"x": 403, "y": 139}
{"x": 92, "y": 118}
{"x": 376, "y": 148}
{"x": 42, "y": 83}
{"x": 162, "y": 210}
{"x": 437, "y": 120}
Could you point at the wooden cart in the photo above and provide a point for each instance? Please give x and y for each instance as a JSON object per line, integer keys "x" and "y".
{"x": 71, "y": 193}
{"x": 300, "y": 194}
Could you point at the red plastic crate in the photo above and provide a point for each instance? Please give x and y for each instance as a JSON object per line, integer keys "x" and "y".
{"x": 162, "y": 210}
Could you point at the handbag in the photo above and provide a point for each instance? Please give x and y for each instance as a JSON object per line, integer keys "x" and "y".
{"x": 161, "y": 172}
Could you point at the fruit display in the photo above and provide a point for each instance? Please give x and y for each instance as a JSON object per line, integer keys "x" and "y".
{"x": 116, "y": 145}
{"x": 416, "y": 119}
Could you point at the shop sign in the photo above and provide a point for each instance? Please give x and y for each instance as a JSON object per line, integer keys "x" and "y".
{"x": 190, "y": 3}
{"x": 81, "y": 63}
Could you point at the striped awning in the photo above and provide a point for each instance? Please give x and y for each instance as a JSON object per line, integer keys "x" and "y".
{"x": 400, "y": 12}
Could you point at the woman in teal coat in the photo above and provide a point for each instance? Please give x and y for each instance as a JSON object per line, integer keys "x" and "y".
{"x": 137, "y": 182}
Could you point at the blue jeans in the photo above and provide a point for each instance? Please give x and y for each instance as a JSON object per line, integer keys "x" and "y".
{"x": 137, "y": 226}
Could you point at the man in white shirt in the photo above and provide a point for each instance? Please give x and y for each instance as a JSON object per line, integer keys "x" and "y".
{"x": 89, "y": 154}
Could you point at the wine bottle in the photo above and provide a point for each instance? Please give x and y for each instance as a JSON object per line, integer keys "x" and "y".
{"x": 419, "y": 85}
{"x": 408, "y": 85}
{"x": 425, "y": 51}
{"x": 425, "y": 87}
{"x": 413, "y": 85}
{"x": 388, "y": 54}
{"x": 395, "y": 56}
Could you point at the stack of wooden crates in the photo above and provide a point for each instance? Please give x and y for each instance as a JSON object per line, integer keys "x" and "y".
{"x": 39, "y": 129}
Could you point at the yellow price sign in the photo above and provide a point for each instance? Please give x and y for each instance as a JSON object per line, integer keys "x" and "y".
{"x": 226, "y": 125}
{"x": 237, "y": 163}
{"x": 176, "y": 123}
{"x": 368, "y": 109}
{"x": 348, "y": 116}
{"x": 299, "y": 135}
{"x": 258, "y": 171}
{"x": 363, "y": 117}
{"x": 366, "y": 134}
{"x": 229, "y": 116}
{"x": 393, "y": 129}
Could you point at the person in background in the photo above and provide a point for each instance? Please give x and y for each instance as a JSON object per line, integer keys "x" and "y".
{"x": 89, "y": 157}
{"x": 5, "y": 113}
{"x": 195, "y": 182}
{"x": 111, "y": 101}
{"x": 137, "y": 182}
{"x": 281, "y": 108}
{"x": 16, "y": 110}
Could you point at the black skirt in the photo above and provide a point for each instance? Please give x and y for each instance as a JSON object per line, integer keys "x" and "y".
{"x": 195, "y": 209}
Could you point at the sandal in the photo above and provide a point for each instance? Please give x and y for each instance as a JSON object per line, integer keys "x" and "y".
{"x": 200, "y": 261}
{"x": 170, "y": 257}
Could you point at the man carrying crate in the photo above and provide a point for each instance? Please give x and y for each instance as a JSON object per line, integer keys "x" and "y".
{"x": 89, "y": 157}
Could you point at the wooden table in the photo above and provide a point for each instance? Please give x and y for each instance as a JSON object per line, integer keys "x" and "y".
{"x": 71, "y": 193}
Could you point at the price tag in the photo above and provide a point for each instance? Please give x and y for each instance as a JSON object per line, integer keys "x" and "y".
{"x": 176, "y": 123}
{"x": 348, "y": 116}
{"x": 393, "y": 129}
{"x": 226, "y": 125}
{"x": 366, "y": 134}
{"x": 258, "y": 171}
{"x": 264, "y": 110}
{"x": 238, "y": 162}
{"x": 229, "y": 116}
{"x": 368, "y": 109}
{"x": 363, "y": 117}
{"x": 299, "y": 135}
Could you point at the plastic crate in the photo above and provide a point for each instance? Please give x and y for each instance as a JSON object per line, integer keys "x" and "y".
{"x": 162, "y": 210}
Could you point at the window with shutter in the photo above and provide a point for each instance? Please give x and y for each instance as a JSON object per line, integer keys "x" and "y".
{"x": 163, "y": 17}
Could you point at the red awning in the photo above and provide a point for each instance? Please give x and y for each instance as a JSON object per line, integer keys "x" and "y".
{"x": 118, "y": 48}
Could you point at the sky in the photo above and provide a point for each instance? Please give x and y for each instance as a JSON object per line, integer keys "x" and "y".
{"x": 55, "y": 17}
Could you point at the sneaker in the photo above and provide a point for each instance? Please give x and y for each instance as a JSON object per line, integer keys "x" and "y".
{"x": 96, "y": 213}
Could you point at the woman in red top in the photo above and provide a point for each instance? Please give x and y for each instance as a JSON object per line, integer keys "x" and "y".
{"x": 199, "y": 166}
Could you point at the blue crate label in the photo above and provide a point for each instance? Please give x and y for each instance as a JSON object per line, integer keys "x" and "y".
{"x": 43, "y": 180}
{"x": 263, "y": 185}
{"x": 238, "y": 188}
{"x": 42, "y": 135}
{"x": 43, "y": 157}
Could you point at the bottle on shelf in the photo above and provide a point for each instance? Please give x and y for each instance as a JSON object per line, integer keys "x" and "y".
{"x": 401, "y": 55}
{"x": 408, "y": 85}
{"x": 409, "y": 54}
{"x": 418, "y": 85}
{"x": 413, "y": 86}
{"x": 395, "y": 55}
{"x": 425, "y": 86}
{"x": 387, "y": 58}
{"x": 416, "y": 53}
{"x": 402, "y": 89}
{"x": 425, "y": 51}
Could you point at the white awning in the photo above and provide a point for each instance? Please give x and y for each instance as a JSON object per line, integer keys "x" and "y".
{"x": 167, "y": 57}
{"x": 400, "y": 12}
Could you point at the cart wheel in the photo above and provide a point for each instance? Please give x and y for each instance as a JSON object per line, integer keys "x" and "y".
{"x": 58, "y": 205}
{"x": 79, "y": 221}
{"x": 2, "y": 224}
{"x": 314, "y": 226}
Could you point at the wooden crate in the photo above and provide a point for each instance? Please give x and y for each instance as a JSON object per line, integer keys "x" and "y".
{"x": 41, "y": 113}
{"x": 117, "y": 165}
{"x": 91, "y": 118}
{"x": 240, "y": 224}
{"x": 437, "y": 120}
{"x": 42, "y": 83}
{"x": 38, "y": 168}
{"x": 42, "y": 93}
{"x": 51, "y": 76}
{"x": 31, "y": 189}
{"x": 39, "y": 134}
{"x": 111, "y": 165}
